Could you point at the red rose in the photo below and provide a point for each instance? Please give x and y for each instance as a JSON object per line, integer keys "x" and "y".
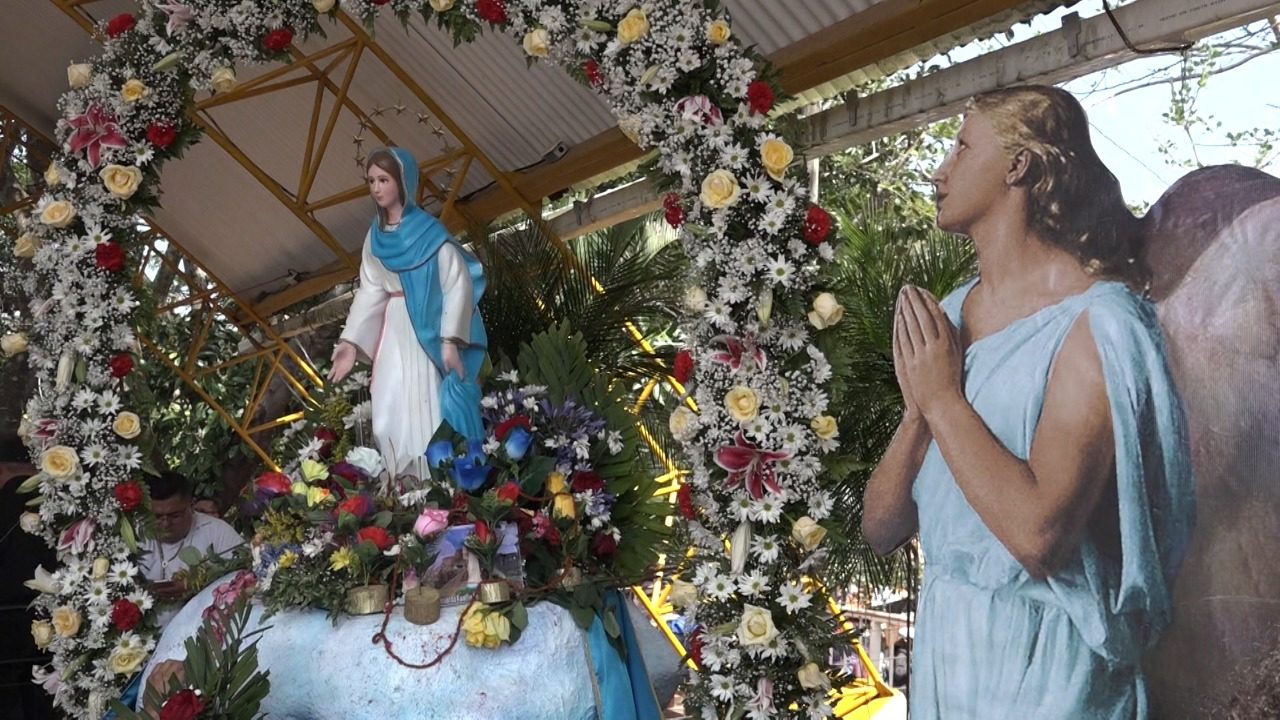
{"x": 482, "y": 532}
{"x": 604, "y": 546}
{"x": 817, "y": 225}
{"x": 182, "y": 705}
{"x": 760, "y": 97}
{"x": 380, "y": 538}
{"x": 587, "y": 480}
{"x": 128, "y": 494}
{"x": 125, "y": 615}
{"x": 121, "y": 365}
{"x": 684, "y": 498}
{"x": 509, "y": 493}
{"x": 273, "y": 484}
{"x": 327, "y": 438}
{"x": 277, "y": 40}
{"x": 359, "y": 505}
{"x": 592, "y": 70}
{"x": 120, "y": 24}
{"x": 161, "y": 135}
{"x": 695, "y": 647}
{"x": 492, "y": 10}
{"x": 460, "y": 502}
{"x": 109, "y": 256}
{"x": 506, "y": 426}
{"x": 682, "y": 368}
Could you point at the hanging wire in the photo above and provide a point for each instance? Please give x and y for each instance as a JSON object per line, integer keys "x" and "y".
{"x": 1124, "y": 37}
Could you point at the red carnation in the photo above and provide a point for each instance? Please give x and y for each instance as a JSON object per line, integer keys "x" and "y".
{"x": 278, "y": 40}
{"x": 358, "y": 505}
{"x": 109, "y": 256}
{"x": 128, "y": 494}
{"x": 586, "y": 480}
{"x": 509, "y": 493}
{"x": 604, "y": 546}
{"x": 695, "y": 647}
{"x": 674, "y": 216}
{"x": 684, "y": 498}
{"x": 125, "y": 615}
{"x": 161, "y": 135}
{"x": 670, "y": 200}
{"x": 492, "y": 10}
{"x": 380, "y": 538}
{"x": 273, "y": 484}
{"x": 591, "y": 69}
{"x": 120, "y": 24}
{"x": 817, "y": 225}
{"x": 182, "y": 705}
{"x": 760, "y": 97}
{"x": 682, "y": 368}
{"x": 121, "y": 365}
{"x": 506, "y": 426}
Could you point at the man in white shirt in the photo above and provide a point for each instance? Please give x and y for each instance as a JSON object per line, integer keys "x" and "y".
{"x": 179, "y": 526}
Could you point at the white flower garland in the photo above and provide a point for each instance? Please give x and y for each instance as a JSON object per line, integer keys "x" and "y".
{"x": 761, "y": 425}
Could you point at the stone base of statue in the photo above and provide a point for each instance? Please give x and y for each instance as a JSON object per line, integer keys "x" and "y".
{"x": 326, "y": 671}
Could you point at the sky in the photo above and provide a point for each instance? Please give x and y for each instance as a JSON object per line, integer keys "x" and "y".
{"x": 1128, "y": 128}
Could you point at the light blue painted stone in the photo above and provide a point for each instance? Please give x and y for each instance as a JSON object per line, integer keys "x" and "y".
{"x": 322, "y": 671}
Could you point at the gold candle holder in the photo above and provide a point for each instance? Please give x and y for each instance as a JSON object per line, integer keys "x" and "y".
{"x": 366, "y": 599}
{"x": 422, "y": 605}
{"x": 492, "y": 592}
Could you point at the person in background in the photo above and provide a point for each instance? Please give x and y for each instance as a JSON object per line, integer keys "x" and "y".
{"x": 179, "y": 526}
{"x": 208, "y": 506}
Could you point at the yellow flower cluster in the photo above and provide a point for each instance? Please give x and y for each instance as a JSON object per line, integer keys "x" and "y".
{"x": 484, "y": 627}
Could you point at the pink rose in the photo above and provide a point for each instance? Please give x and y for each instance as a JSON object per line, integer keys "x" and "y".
{"x": 430, "y": 522}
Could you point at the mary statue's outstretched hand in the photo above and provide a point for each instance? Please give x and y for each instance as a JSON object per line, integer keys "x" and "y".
{"x": 344, "y": 358}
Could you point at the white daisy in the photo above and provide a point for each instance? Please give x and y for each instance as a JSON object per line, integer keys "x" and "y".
{"x": 93, "y": 455}
{"x": 765, "y": 548}
{"x": 753, "y": 583}
{"x": 820, "y": 505}
{"x": 793, "y": 597}
{"x": 108, "y": 402}
{"x": 767, "y": 510}
{"x": 129, "y": 457}
{"x": 721, "y": 687}
{"x": 780, "y": 272}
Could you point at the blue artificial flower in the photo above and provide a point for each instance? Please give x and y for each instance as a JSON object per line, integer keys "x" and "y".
{"x": 470, "y": 471}
{"x": 518, "y": 442}
{"x": 438, "y": 452}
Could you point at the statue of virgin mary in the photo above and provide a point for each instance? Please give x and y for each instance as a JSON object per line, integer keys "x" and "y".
{"x": 415, "y": 318}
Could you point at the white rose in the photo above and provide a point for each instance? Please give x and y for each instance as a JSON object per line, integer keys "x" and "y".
{"x": 13, "y": 344}
{"x": 126, "y": 660}
{"x": 52, "y": 176}
{"x": 718, "y": 32}
{"x": 26, "y": 245}
{"x": 134, "y": 90}
{"x": 42, "y": 633}
{"x": 58, "y": 213}
{"x": 122, "y": 181}
{"x": 756, "y": 626}
{"x": 683, "y": 594}
{"x": 537, "y": 43}
{"x": 632, "y": 27}
{"x": 127, "y": 425}
{"x": 695, "y": 298}
{"x": 827, "y": 311}
{"x": 742, "y": 403}
{"x": 367, "y": 459}
{"x": 808, "y": 533}
{"x": 223, "y": 79}
{"x": 30, "y": 522}
{"x": 323, "y": 6}
{"x": 101, "y": 566}
{"x": 59, "y": 462}
{"x": 79, "y": 74}
{"x": 824, "y": 426}
{"x": 720, "y": 190}
{"x": 441, "y": 5}
{"x": 66, "y": 620}
{"x": 811, "y": 677}
{"x": 681, "y": 423}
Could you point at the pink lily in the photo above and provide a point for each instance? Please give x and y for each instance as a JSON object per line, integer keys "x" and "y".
{"x": 698, "y": 108}
{"x": 95, "y": 130}
{"x": 736, "y": 350}
{"x": 79, "y": 537}
{"x": 746, "y": 462}
{"x": 179, "y": 16}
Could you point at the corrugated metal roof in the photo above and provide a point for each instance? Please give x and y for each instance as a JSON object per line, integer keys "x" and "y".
{"x": 513, "y": 113}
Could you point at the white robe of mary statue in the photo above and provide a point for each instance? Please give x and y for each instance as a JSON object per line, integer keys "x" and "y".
{"x": 405, "y": 385}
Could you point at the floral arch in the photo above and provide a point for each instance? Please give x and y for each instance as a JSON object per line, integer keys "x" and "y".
{"x": 755, "y": 428}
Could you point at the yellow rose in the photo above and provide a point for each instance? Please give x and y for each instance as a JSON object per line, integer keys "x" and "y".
{"x": 126, "y": 660}
{"x": 223, "y": 79}
{"x": 52, "y": 176}
{"x": 121, "y": 181}
{"x": 66, "y": 620}
{"x": 133, "y": 91}
{"x": 26, "y": 245}
{"x": 808, "y": 533}
{"x": 563, "y": 507}
{"x": 720, "y": 190}
{"x": 633, "y": 27}
{"x": 42, "y": 633}
{"x": 537, "y": 43}
{"x": 101, "y": 566}
{"x": 756, "y": 626}
{"x": 683, "y": 594}
{"x": 58, "y": 213}
{"x": 718, "y": 32}
{"x": 323, "y": 6}
{"x": 811, "y": 677}
{"x": 79, "y": 74}
{"x": 681, "y": 422}
{"x": 776, "y": 155}
{"x": 555, "y": 483}
{"x": 441, "y": 5}
{"x": 13, "y": 344}
{"x": 742, "y": 403}
{"x": 827, "y": 311}
{"x": 497, "y": 626}
{"x": 59, "y": 462}
{"x": 824, "y": 426}
{"x": 127, "y": 425}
